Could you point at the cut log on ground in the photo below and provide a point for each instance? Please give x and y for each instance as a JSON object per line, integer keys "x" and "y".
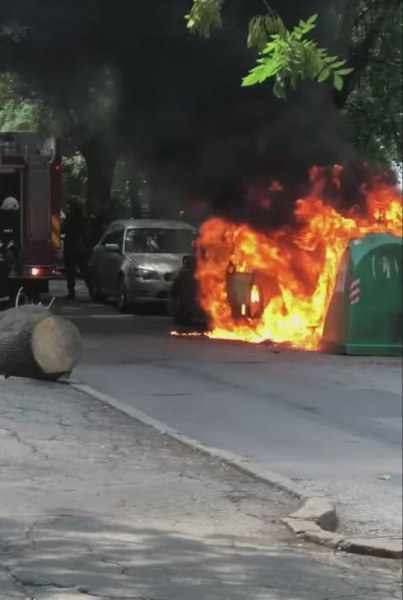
{"x": 37, "y": 344}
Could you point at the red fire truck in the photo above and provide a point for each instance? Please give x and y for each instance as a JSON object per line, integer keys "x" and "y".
{"x": 30, "y": 202}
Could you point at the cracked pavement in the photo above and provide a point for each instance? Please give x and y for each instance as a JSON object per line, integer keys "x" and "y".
{"x": 96, "y": 505}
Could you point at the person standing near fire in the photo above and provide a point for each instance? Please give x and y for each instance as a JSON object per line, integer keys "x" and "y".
{"x": 77, "y": 248}
{"x": 9, "y": 245}
{"x": 10, "y": 228}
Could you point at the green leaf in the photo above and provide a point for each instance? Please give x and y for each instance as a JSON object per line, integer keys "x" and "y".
{"x": 269, "y": 47}
{"x": 249, "y": 80}
{"x": 330, "y": 59}
{"x": 312, "y": 19}
{"x": 338, "y": 64}
{"x": 256, "y": 75}
{"x": 345, "y": 71}
{"x": 298, "y": 33}
{"x": 306, "y": 26}
{"x": 324, "y": 75}
{"x": 338, "y": 82}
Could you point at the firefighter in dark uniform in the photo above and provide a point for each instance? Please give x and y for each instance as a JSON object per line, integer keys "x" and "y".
{"x": 9, "y": 244}
{"x": 77, "y": 248}
{"x": 9, "y": 226}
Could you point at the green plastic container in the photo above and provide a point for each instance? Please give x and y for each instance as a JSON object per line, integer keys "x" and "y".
{"x": 365, "y": 314}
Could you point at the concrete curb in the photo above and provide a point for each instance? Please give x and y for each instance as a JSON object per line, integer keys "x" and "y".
{"x": 316, "y": 521}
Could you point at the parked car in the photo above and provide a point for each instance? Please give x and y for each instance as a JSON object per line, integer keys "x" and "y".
{"x": 136, "y": 261}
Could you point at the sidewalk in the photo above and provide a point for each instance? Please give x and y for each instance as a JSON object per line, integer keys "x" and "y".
{"x": 95, "y": 505}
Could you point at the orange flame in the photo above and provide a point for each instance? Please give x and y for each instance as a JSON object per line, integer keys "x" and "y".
{"x": 255, "y": 295}
{"x": 301, "y": 266}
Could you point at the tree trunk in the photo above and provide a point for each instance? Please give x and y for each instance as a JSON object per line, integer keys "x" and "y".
{"x": 101, "y": 157}
{"x": 36, "y": 344}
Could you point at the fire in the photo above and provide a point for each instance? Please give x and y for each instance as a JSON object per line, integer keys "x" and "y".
{"x": 298, "y": 265}
{"x": 255, "y": 295}
{"x": 189, "y": 334}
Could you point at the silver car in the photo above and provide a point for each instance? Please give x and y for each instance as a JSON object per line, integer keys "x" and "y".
{"x": 136, "y": 261}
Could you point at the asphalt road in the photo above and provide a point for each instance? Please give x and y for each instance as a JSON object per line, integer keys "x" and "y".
{"x": 333, "y": 424}
{"x": 97, "y": 506}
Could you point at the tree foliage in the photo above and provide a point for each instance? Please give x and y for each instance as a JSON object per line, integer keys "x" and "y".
{"x": 367, "y": 86}
{"x": 74, "y": 173}
{"x": 205, "y": 15}
{"x": 16, "y": 112}
{"x": 372, "y": 99}
{"x": 290, "y": 58}
{"x": 261, "y": 27}
{"x": 287, "y": 56}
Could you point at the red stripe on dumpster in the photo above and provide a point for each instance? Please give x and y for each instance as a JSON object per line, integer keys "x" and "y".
{"x": 355, "y": 288}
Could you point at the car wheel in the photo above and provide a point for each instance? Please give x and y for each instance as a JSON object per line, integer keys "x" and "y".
{"x": 122, "y": 301}
{"x": 181, "y": 313}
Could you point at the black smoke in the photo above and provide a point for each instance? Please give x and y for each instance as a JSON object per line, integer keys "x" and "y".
{"x": 191, "y": 118}
{"x": 182, "y": 111}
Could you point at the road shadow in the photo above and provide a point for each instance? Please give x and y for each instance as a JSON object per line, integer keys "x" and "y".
{"x": 96, "y": 556}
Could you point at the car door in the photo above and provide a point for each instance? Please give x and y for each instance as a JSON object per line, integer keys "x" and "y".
{"x": 101, "y": 258}
{"x": 113, "y": 260}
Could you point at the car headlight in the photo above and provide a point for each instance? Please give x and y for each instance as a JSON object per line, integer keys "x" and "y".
{"x": 146, "y": 274}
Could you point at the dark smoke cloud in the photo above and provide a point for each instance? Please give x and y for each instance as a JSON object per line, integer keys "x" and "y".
{"x": 190, "y": 117}
{"x": 182, "y": 111}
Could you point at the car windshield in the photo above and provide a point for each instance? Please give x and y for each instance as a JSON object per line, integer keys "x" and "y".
{"x": 159, "y": 241}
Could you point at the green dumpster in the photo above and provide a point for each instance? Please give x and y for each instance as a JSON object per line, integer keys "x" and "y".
{"x": 365, "y": 314}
